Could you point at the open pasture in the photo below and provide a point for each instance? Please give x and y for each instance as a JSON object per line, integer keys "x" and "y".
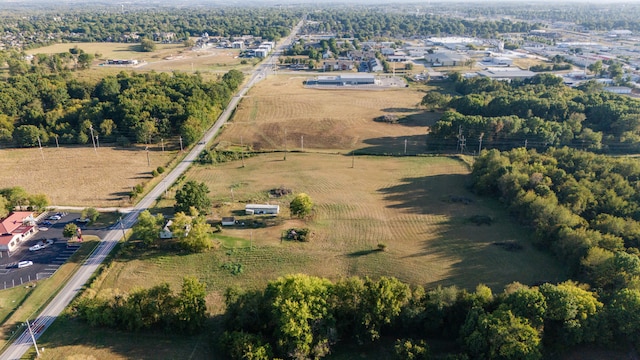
{"x": 404, "y": 203}
{"x": 328, "y": 119}
{"x": 167, "y": 57}
{"x": 79, "y": 176}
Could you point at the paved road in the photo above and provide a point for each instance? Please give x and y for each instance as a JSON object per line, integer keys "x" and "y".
{"x": 23, "y": 342}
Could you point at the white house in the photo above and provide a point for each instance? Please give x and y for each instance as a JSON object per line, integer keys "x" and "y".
{"x": 166, "y": 233}
{"x": 251, "y": 209}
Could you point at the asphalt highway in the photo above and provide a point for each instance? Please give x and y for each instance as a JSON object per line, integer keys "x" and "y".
{"x": 39, "y": 325}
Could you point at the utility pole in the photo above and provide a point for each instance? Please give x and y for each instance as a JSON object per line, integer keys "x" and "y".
{"x": 57, "y": 145}
{"x": 97, "y": 140}
{"x": 40, "y": 146}
{"x": 405, "y": 146}
{"x": 462, "y": 142}
{"x": 525, "y": 143}
{"x": 241, "y": 154}
{"x": 302, "y": 143}
{"x": 181, "y": 144}
{"x": 285, "y": 144}
{"x": 33, "y": 338}
{"x": 124, "y": 234}
{"x": 148, "y": 160}
{"x": 480, "y": 145}
{"x": 93, "y": 140}
{"x": 162, "y": 142}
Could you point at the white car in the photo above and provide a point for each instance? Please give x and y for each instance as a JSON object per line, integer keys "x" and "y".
{"x": 36, "y": 247}
{"x": 43, "y": 228}
{"x": 54, "y": 217}
{"x": 22, "y": 264}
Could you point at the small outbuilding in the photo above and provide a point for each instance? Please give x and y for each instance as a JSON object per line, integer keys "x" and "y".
{"x": 258, "y": 209}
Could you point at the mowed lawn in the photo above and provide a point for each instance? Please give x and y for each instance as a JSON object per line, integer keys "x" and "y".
{"x": 80, "y": 176}
{"x": 401, "y": 202}
{"x": 280, "y": 113}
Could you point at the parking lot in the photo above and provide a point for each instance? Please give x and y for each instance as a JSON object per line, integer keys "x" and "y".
{"x": 44, "y": 260}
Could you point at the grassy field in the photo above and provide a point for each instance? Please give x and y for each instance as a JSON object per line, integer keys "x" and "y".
{"x": 404, "y": 203}
{"x": 331, "y": 120}
{"x": 167, "y": 57}
{"x": 78, "y": 175}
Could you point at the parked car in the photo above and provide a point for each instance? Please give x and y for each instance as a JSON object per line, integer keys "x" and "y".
{"x": 50, "y": 241}
{"x": 26, "y": 263}
{"x": 43, "y": 228}
{"x": 37, "y": 247}
{"x": 85, "y": 220}
{"x": 46, "y": 223}
{"x": 54, "y": 217}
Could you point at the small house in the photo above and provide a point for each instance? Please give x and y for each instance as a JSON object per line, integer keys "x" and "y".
{"x": 166, "y": 233}
{"x": 258, "y": 209}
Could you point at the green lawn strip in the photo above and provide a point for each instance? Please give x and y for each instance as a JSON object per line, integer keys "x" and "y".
{"x": 38, "y": 297}
{"x": 69, "y": 337}
{"x": 230, "y": 242}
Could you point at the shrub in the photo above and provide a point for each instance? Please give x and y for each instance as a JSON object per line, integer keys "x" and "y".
{"x": 155, "y": 173}
{"x": 160, "y": 169}
{"x": 298, "y": 234}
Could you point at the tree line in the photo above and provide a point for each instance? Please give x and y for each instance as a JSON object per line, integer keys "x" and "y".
{"x": 539, "y": 112}
{"x": 366, "y": 23}
{"x": 41, "y": 105}
{"x": 36, "y": 28}
{"x": 581, "y": 206}
{"x": 154, "y": 309}
{"x": 16, "y": 197}
{"x": 303, "y": 317}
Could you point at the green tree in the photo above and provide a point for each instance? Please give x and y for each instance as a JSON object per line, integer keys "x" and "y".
{"x": 405, "y": 349}
{"x": 4, "y": 207}
{"x": 382, "y": 302}
{"x": 38, "y": 201}
{"x": 233, "y": 78}
{"x": 191, "y": 304}
{"x": 148, "y": 227}
{"x": 85, "y": 60}
{"x": 301, "y": 205}
{"x": 16, "y": 196}
{"x": 302, "y": 315}
{"x": 624, "y": 314}
{"x": 199, "y": 237}
{"x": 180, "y": 225}
{"x": 596, "y": 67}
{"x": 70, "y": 230}
{"x": 147, "y": 45}
{"x": 189, "y": 43}
{"x": 568, "y": 319}
{"x": 193, "y": 194}
{"x": 91, "y": 214}
{"x": 501, "y": 335}
{"x": 26, "y": 135}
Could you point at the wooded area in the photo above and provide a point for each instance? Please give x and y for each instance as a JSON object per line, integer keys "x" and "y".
{"x": 44, "y": 103}
{"x": 538, "y": 113}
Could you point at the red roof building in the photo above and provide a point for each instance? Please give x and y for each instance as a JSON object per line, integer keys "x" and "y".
{"x": 16, "y": 228}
